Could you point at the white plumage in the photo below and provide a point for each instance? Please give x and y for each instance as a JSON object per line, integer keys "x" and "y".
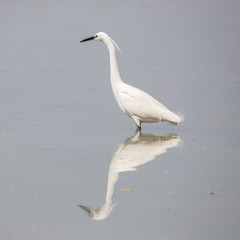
{"x": 137, "y": 104}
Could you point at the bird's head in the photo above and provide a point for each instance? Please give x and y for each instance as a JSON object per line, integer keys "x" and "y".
{"x": 101, "y": 36}
{"x": 98, "y": 36}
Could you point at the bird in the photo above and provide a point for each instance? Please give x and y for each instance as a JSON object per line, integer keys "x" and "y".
{"x": 135, "y": 103}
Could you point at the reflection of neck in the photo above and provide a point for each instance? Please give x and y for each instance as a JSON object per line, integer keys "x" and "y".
{"x": 112, "y": 179}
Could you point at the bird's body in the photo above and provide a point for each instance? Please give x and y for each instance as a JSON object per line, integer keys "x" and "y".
{"x": 137, "y": 104}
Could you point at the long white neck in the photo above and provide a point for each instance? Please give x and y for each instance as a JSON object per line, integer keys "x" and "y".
{"x": 114, "y": 72}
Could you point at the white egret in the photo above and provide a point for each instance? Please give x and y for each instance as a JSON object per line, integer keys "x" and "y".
{"x": 137, "y": 104}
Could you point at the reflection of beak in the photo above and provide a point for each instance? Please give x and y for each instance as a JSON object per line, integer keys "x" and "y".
{"x": 88, "y": 210}
{"x": 88, "y": 39}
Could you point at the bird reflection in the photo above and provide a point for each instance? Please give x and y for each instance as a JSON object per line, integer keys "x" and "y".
{"x": 135, "y": 151}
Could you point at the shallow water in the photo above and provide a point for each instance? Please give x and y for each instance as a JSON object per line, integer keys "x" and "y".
{"x": 71, "y": 164}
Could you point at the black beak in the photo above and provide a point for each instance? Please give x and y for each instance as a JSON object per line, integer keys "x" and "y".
{"x": 88, "y": 39}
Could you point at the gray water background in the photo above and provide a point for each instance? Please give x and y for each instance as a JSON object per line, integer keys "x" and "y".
{"x": 60, "y": 125}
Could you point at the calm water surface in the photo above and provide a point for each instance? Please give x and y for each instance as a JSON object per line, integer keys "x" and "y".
{"x": 72, "y": 165}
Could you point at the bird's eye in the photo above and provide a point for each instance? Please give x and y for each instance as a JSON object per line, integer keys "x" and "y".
{"x": 96, "y": 36}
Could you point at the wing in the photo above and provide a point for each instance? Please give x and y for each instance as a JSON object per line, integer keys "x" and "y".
{"x": 136, "y": 102}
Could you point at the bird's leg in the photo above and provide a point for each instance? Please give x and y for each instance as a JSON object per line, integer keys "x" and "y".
{"x": 138, "y": 123}
{"x": 138, "y": 132}
{"x": 138, "y": 128}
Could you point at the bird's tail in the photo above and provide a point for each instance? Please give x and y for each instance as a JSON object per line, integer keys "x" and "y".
{"x": 172, "y": 118}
